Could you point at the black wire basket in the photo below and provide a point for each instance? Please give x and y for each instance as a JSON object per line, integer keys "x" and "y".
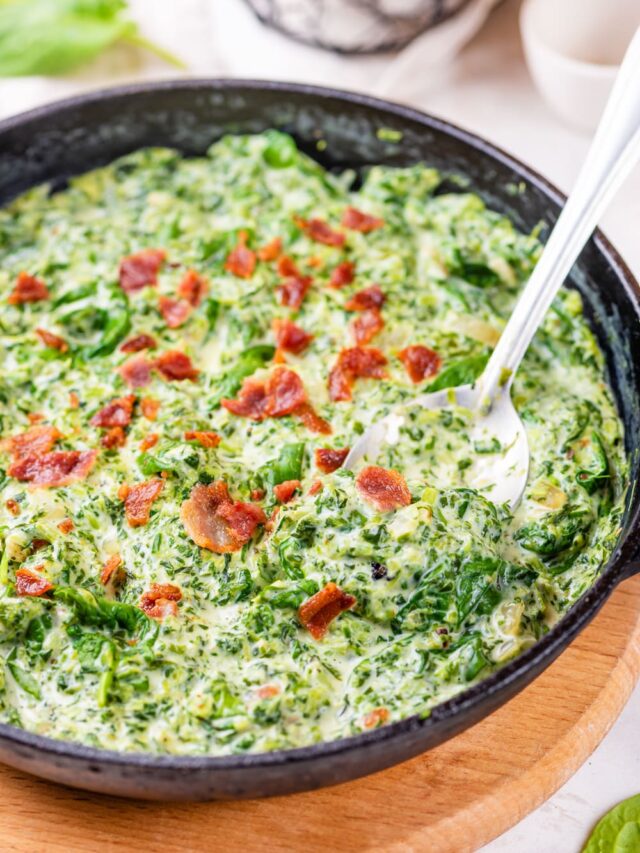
{"x": 355, "y": 26}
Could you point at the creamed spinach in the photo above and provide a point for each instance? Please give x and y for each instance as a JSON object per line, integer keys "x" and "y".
{"x": 447, "y": 588}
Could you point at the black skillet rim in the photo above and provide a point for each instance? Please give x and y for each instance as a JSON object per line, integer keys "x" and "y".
{"x": 620, "y": 564}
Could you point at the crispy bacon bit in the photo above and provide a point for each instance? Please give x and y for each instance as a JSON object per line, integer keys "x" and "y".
{"x": 329, "y": 459}
{"x": 366, "y": 326}
{"x": 28, "y": 582}
{"x": 311, "y": 419}
{"x": 353, "y": 363}
{"x": 257, "y": 494}
{"x": 193, "y": 288}
{"x": 117, "y": 413}
{"x": 384, "y": 488}
{"x": 420, "y": 362}
{"x": 39, "y": 544}
{"x": 241, "y": 261}
{"x": 174, "y": 311}
{"x": 292, "y": 291}
{"x": 113, "y": 574}
{"x": 268, "y": 691}
{"x": 161, "y": 600}
{"x": 74, "y": 400}
{"x": 138, "y": 499}
{"x": 149, "y": 441}
{"x": 376, "y": 718}
{"x": 251, "y": 401}
{"x": 343, "y": 274}
{"x": 356, "y": 220}
{"x": 319, "y": 611}
{"x": 150, "y": 408}
{"x": 203, "y": 437}
{"x": 28, "y": 288}
{"x": 285, "y": 491}
{"x": 139, "y": 343}
{"x": 216, "y": 522}
{"x": 287, "y": 267}
{"x": 370, "y": 297}
{"x": 58, "y": 468}
{"x": 290, "y": 337}
{"x": 271, "y": 251}
{"x": 114, "y": 437}
{"x": 36, "y": 440}
{"x": 136, "y": 371}
{"x": 66, "y": 526}
{"x": 315, "y": 262}
{"x": 35, "y": 417}
{"x": 141, "y": 269}
{"x": 13, "y": 506}
{"x": 315, "y": 487}
{"x": 285, "y": 393}
{"x": 52, "y": 341}
{"x": 320, "y": 232}
{"x": 175, "y": 366}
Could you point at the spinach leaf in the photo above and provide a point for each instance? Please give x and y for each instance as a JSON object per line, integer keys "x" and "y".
{"x": 248, "y": 362}
{"x": 22, "y": 678}
{"x": 476, "y": 590}
{"x": 116, "y": 327}
{"x": 283, "y": 595}
{"x": 619, "y": 830}
{"x": 464, "y": 371}
{"x": 593, "y": 469}
{"x": 555, "y": 533}
{"x": 287, "y": 466}
{"x": 475, "y": 272}
{"x": 90, "y": 609}
{"x": 55, "y": 36}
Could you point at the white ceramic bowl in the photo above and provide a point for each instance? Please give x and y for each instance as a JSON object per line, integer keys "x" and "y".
{"x": 573, "y": 49}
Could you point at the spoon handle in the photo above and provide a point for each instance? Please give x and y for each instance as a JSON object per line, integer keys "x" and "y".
{"x": 613, "y": 153}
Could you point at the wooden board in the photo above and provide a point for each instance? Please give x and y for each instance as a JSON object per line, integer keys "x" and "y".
{"x": 451, "y": 800}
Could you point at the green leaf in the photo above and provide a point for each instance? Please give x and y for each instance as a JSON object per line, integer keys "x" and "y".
{"x": 476, "y": 273}
{"x": 283, "y": 595}
{"x": 593, "y": 471}
{"x": 476, "y": 591}
{"x": 116, "y": 328}
{"x": 22, "y": 678}
{"x": 465, "y": 371}
{"x": 287, "y": 466}
{"x": 555, "y": 533}
{"x": 281, "y": 150}
{"x": 249, "y": 361}
{"x": 55, "y": 36}
{"x": 618, "y": 831}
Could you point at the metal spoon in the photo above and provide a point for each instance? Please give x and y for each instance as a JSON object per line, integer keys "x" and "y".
{"x": 614, "y": 151}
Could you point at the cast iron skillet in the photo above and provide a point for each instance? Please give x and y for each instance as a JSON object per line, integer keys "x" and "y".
{"x": 51, "y": 143}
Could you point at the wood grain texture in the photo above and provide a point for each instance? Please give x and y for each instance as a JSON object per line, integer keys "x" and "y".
{"x": 452, "y": 799}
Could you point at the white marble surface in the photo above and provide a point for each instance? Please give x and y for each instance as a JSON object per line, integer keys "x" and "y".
{"x": 486, "y": 89}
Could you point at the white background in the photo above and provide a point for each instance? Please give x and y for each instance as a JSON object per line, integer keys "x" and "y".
{"x": 487, "y": 89}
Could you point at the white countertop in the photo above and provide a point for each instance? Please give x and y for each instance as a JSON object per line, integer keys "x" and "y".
{"x": 488, "y": 90}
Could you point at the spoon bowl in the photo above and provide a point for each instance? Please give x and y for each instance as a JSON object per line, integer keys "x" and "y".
{"x": 500, "y": 472}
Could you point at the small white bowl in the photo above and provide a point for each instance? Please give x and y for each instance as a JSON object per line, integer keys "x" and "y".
{"x": 573, "y": 49}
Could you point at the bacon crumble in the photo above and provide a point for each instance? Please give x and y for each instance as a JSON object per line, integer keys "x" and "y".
{"x": 149, "y": 441}
{"x": 161, "y": 600}
{"x": 13, "y": 506}
{"x": 356, "y": 220}
{"x": 329, "y": 459}
{"x": 271, "y": 250}
{"x": 28, "y": 288}
{"x": 285, "y": 491}
{"x": 205, "y": 438}
{"x": 193, "y": 288}
{"x": 150, "y": 408}
{"x": 175, "y": 366}
{"x": 116, "y": 413}
{"x": 366, "y": 326}
{"x": 377, "y": 717}
{"x": 355, "y": 363}
{"x": 138, "y": 500}
{"x": 384, "y": 488}
{"x": 241, "y": 261}
{"x": 52, "y": 341}
{"x": 66, "y": 526}
{"x": 420, "y": 362}
{"x": 343, "y": 274}
{"x": 136, "y": 371}
{"x": 216, "y": 522}
{"x": 57, "y": 468}
{"x": 113, "y": 574}
{"x": 289, "y": 337}
{"x": 113, "y": 438}
{"x": 138, "y": 343}
{"x": 37, "y": 439}
{"x": 175, "y": 312}
{"x": 370, "y": 298}
{"x": 30, "y": 583}
{"x": 292, "y": 290}
{"x": 319, "y": 611}
{"x": 320, "y": 231}
{"x": 141, "y": 269}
